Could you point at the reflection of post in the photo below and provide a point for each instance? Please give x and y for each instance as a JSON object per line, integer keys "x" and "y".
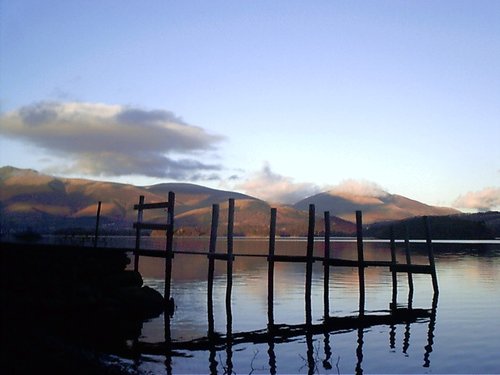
{"x": 359, "y": 352}
{"x": 394, "y": 274}
{"x": 213, "y": 364}
{"x": 430, "y": 332}
{"x": 211, "y": 267}
{"x": 408, "y": 261}
{"x": 168, "y": 343}
{"x": 326, "y": 268}
{"x": 229, "y": 343}
{"x": 361, "y": 262}
{"x": 310, "y": 249}
{"x": 392, "y": 336}
{"x": 311, "y": 363}
{"x": 328, "y": 351}
{"x": 270, "y": 269}
{"x": 406, "y": 339}
{"x": 431, "y": 254}
{"x": 272, "y": 355}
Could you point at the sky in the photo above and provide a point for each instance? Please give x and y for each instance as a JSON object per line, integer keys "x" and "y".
{"x": 276, "y": 99}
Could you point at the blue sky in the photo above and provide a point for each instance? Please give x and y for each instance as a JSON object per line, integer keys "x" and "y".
{"x": 278, "y": 99}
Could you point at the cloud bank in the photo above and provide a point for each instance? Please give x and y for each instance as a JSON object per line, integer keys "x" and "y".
{"x": 273, "y": 187}
{"x": 115, "y": 140}
{"x": 361, "y": 188}
{"x": 487, "y": 199}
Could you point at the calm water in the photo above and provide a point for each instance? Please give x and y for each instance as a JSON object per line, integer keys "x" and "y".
{"x": 464, "y": 337}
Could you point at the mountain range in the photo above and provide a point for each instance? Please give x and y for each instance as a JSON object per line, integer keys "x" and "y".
{"x": 47, "y": 203}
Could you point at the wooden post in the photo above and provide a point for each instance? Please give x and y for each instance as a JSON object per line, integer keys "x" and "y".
{"x": 431, "y": 254}
{"x": 310, "y": 250}
{"x": 138, "y": 233}
{"x": 211, "y": 266}
{"x": 230, "y": 229}
{"x": 326, "y": 268}
{"x": 98, "y": 216}
{"x": 361, "y": 262}
{"x": 270, "y": 269}
{"x": 394, "y": 274}
{"x": 169, "y": 246}
{"x": 408, "y": 262}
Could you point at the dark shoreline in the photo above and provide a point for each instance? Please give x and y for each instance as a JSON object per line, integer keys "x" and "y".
{"x": 67, "y": 309}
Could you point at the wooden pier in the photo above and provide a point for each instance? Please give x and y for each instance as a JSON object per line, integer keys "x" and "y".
{"x": 308, "y": 259}
{"x": 275, "y": 333}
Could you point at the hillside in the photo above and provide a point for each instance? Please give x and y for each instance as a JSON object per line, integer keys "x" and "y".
{"x": 376, "y": 208}
{"x": 29, "y": 199}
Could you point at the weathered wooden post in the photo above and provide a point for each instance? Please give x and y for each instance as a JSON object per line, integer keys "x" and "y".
{"x": 169, "y": 247}
{"x": 393, "y": 271}
{"x": 326, "y": 267}
{"x": 138, "y": 232}
{"x": 408, "y": 262}
{"x": 309, "y": 262}
{"x": 270, "y": 269}
{"x": 361, "y": 262}
{"x": 98, "y": 216}
{"x": 211, "y": 266}
{"x": 431, "y": 254}
{"x": 230, "y": 230}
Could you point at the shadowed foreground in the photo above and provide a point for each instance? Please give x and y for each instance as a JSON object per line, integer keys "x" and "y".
{"x": 65, "y": 309}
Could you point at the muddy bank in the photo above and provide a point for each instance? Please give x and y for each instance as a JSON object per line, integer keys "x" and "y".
{"x": 66, "y": 308}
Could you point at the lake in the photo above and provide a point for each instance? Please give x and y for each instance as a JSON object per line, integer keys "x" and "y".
{"x": 462, "y": 336}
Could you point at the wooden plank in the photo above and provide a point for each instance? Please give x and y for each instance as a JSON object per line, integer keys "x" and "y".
{"x": 230, "y": 234}
{"x": 394, "y": 274}
{"x": 149, "y": 206}
{"x": 270, "y": 268}
{"x": 431, "y": 254}
{"x": 169, "y": 246}
{"x": 97, "y": 218}
{"x": 138, "y": 235}
{"x": 309, "y": 262}
{"x": 153, "y": 226}
{"x": 211, "y": 266}
{"x": 361, "y": 268}
{"x": 219, "y": 256}
{"x": 326, "y": 267}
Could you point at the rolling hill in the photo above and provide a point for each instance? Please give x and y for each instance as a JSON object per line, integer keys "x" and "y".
{"x": 29, "y": 199}
{"x": 375, "y": 208}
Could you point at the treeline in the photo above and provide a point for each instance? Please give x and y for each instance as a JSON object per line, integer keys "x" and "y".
{"x": 480, "y": 226}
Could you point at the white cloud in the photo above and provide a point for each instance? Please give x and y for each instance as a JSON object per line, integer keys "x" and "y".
{"x": 360, "y": 188}
{"x": 114, "y": 140}
{"x": 484, "y": 200}
{"x": 273, "y": 187}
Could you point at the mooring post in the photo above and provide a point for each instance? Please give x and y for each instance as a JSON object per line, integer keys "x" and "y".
{"x": 211, "y": 266}
{"x": 98, "y": 216}
{"x": 270, "y": 269}
{"x": 326, "y": 267}
{"x": 361, "y": 262}
{"x": 310, "y": 251}
{"x": 230, "y": 229}
{"x": 408, "y": 262}
{"x": 393, "y": 271}
{"x": 138, "y": 233}
{"x": 431, "y": 254}
{"x": 169, "y": 246}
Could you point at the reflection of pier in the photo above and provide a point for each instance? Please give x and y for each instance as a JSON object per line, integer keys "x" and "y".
{"x": 277, "y": 333}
